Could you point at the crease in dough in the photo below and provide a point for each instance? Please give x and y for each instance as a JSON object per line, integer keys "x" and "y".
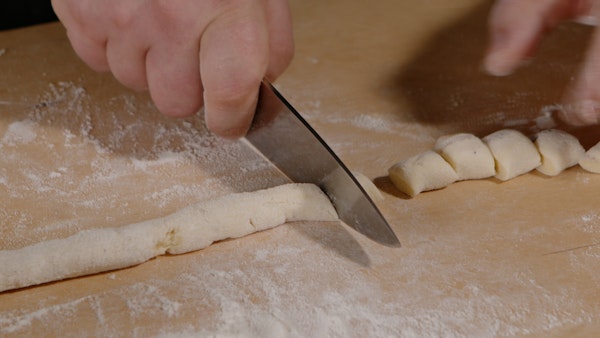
{"x": 514, "y": 153}
{"x": 190, "y": 229}
{"x": 467, "y": 154}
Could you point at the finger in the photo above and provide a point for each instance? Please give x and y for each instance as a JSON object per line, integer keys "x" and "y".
{"x": 128, "y": 40}
{"x": 281, "y": 40}
{"x": 174, "y": 77}
{"x": 126, "y": 58}
{"x": 92, "y": 52}
{"x": 517, "y": 26}
{"x": 233, "y": 61}
{"x": 90, "y": 48}
{"x": 583, "y": 98}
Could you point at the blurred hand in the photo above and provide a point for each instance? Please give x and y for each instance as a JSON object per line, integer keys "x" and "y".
{"x": 187, "y": 53}
{"x": 516, "y": 29}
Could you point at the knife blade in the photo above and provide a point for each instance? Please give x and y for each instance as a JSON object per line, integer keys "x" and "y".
{"x": 280, "y": 133}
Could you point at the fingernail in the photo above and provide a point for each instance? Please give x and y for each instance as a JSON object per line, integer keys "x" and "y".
{"x": 588, "y": 20}
{"x": 229, "y": 128}
{"x": 494, "y": 61}
{"x": 229, "y": 124}
{"x": 497, "y": 64}
{"x": 233, "y": 133}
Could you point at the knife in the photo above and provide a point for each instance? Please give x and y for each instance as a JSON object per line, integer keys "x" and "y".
{"x": 292, "y": 145}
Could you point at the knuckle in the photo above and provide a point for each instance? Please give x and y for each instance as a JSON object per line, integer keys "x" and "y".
{"x": 166, "y": 8}
{"x": 122, "y": 14}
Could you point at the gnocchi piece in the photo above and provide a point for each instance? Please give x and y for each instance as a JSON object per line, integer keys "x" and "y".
{"x": 513, "y": 152}
{"x": 559, "y": 150}
{"x": 422, "y": 172}
{"x": 467, "y": 154}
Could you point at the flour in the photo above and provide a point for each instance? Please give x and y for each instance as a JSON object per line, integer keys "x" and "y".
{"x": 164, "y": 158}
{"x": 73, "y": 159}
{"x": 14, "y": 321}
{"x": 151, "y": 299}
{"x": 296, "y": 280}
{"x": 352, "y": 307}
{"x": 546, "y": 119}
{"x": 512, "y": 123}
{"x": 373, "y": 122}
{"x": 592, "y": 217}
{"x": 19, "y": 132}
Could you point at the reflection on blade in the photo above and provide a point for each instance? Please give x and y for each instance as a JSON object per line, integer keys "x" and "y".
{"x": 287, "y": 140}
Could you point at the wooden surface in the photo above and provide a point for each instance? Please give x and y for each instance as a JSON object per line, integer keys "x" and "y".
{"x": 379, "y": 81}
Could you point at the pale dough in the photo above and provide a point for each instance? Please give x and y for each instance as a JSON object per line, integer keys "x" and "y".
{"x": 422, "y": 172}
{"x": 504, "y": 154}
{"x": 559, "y": 150}
{"x": 467, "y": 154}
{"x": 590, "y": 161}
{"x": 189, "y": 229}
{"x": 369, "y": 187}
{"x": 514, "y": 153}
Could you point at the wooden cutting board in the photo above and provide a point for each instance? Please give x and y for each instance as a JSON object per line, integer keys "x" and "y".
{"x": 379, "y": 81}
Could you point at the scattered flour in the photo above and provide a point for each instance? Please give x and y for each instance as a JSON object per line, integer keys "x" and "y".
{"x": 512, "y": 123}
{"x": 76, "y": 158}
{"x": 546, "y": 118}
{"x": 19, "y": 132}
{"x": 104, "y": 158}
{"x": 373, "y": 122}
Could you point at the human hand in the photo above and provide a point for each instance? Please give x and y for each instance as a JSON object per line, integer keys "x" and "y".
{"x": 516, "y": 29}
{"x": 188, "y": 54}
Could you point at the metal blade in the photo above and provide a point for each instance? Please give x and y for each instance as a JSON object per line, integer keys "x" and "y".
{"x": 289, "y": 142}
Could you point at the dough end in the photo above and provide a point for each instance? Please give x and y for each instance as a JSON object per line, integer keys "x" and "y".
{"x": 423, "y": 172}
{"x": 590, "y": 161}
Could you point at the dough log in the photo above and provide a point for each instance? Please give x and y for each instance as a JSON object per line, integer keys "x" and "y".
{"x": 189, "y": 229}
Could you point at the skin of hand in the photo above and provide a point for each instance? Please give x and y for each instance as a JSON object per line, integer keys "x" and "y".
{"x": 187, "y": 53}
{"x": 516, "y": 29}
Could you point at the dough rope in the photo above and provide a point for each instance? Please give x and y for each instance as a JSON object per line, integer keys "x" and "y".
{"x": 504, "y": 154}
{"x": 190, "y": 229}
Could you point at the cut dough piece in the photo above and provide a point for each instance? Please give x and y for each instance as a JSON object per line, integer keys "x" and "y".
{"x": 467, "y": 154}
{"x": 513, "y": 152}
{"x": 368, "y": 186}
{"x": 590, "y": 161}
{"x": 559, "y": 151}
{"x": 189, "y": 229}
{"x": 423, "y": 172}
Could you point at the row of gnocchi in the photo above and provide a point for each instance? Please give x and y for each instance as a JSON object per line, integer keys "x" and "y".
{"x": 504, "y": 154}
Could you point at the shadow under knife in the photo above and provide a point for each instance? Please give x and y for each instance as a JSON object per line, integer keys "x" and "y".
{"x": 334, "y": 236}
